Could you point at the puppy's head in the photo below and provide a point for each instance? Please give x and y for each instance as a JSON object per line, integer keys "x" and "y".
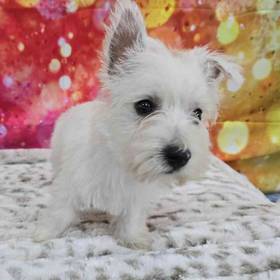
{"x": 162, "y": 100}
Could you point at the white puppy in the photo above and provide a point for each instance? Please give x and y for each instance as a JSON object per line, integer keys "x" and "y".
{"x": 147, "y": 131}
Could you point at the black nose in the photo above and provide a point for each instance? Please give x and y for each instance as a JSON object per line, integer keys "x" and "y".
{"x": 175, "y": 157}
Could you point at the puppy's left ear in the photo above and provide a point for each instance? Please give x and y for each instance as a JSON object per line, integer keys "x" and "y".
{"x": 219, "y": 67}
{"x": 125, "y": 35}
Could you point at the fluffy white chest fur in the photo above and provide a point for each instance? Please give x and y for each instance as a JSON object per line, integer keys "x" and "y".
{"x": 121, "y": 152}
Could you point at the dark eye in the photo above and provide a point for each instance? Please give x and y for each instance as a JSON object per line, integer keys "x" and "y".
{"x": 197, "y": 113}
{"x": 144, "y": 107}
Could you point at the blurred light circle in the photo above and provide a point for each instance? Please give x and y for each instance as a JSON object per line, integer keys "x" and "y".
{"x": 233, "y": 137}
{"x": 228, "y": 31}
{"x": 262, "y": 69}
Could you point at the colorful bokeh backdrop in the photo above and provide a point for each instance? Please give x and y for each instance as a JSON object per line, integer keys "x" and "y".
{"x": 49, "y": 60}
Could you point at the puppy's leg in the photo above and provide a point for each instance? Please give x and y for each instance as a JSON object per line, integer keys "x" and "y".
{"x": 55, "y": 220}
{"x": 130, "y": 228}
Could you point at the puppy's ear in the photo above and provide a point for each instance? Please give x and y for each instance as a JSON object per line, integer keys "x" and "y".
{"x": 125, "y": 35}
{"x": 219, "y": 67}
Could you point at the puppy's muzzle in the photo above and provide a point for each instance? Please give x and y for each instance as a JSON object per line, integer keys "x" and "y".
{"x": 175, "y": 157}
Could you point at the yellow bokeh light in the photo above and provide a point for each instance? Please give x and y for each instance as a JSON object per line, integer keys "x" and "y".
{"x": 158, "y": 12}
{"x": 66, "y": 50}
{"x": 233, "y": 137}
{"x": 76, "y": 96}
{"x": 262, "y": 69}
{"x": 228, "y": 31}
{"x": 273, "y": 130}
{"x": 84, "y": 3}
{"x": 21, "y": 46}
{"x": 54, "y": 65}
{"x": 273, "y": 124}
{"x": 27, "y": 3}
{"x": 273, "y": 115}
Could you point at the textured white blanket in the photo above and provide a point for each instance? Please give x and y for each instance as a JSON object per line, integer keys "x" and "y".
{"x": 219, "y": 228}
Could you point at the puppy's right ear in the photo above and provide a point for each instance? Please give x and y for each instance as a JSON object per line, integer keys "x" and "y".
{"x": 125, "y": 35}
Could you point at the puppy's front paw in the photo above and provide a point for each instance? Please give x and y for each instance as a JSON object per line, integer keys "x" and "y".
{"x": 142, "y": 242}
{"x": 46, "y": 230}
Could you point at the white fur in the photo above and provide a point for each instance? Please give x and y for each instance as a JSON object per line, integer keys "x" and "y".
{"x": 105, "y": 157}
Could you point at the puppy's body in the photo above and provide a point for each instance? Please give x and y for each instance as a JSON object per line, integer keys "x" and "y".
{"x": 119, "y": 153}
{"x": 89, "y": 176}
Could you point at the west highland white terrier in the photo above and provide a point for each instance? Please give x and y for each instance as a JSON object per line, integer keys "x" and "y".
{"x": 147, "y": 133}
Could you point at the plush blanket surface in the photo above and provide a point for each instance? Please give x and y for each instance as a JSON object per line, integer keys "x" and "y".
{"x": 218, "y": 228}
